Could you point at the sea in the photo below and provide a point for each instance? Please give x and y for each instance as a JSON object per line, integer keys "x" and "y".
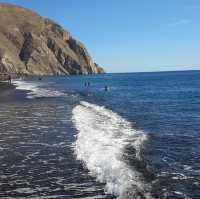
{"x": 108, "y": 136}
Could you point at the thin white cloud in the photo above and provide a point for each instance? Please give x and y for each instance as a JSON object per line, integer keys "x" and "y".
{"x": 180, "y": 22}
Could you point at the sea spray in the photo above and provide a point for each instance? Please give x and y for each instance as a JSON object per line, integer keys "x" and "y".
{"x": 101, "y": 141}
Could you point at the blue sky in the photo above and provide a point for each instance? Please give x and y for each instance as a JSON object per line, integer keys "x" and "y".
{"x": 130, "y": 35}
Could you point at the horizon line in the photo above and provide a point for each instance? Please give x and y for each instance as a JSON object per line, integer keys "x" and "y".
{"x": 164, "y": 71}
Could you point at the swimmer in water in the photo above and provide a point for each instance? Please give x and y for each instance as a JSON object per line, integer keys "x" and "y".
{"x": 106, "y": 88}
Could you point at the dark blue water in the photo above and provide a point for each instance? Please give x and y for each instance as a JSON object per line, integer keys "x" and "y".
{"x": 165, "y": 107}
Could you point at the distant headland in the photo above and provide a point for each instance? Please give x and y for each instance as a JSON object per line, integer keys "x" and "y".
{"x": 31, "y": 44}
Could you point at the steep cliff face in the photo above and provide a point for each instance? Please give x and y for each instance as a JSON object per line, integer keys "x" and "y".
{"x": 32, "y": 44}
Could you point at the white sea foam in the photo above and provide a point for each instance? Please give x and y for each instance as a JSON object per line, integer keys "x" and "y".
{"x": 35, "y": 89}
{"x": 101, "y": 140}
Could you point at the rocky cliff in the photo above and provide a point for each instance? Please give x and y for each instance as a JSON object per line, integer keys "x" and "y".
{"x": 32, "y": 44}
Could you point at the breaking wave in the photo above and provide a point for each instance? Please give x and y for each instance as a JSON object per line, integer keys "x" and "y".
{"x": 101, "y": 143}
{"x": 35, "y": 89}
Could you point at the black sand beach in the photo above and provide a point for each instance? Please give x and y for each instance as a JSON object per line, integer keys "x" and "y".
{"x": 37, "y": 159}
{"x": 8, "y": 93}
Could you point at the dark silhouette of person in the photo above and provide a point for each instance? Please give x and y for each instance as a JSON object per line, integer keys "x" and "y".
{"x": 9, "y": 79}
{"x": 106, "y": 88}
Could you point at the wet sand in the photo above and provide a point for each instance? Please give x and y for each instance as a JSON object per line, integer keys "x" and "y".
{"x": 8, "y": 93}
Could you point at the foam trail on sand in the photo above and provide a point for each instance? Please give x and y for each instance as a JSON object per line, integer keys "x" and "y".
{"x": 35, "y": 89}
{"x": 101, "y": 141}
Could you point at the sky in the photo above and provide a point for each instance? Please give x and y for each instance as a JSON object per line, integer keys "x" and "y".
{"x": 130, "y": 35}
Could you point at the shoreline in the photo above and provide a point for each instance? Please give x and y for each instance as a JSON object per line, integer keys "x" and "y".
{"x": 9, "y": 93}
